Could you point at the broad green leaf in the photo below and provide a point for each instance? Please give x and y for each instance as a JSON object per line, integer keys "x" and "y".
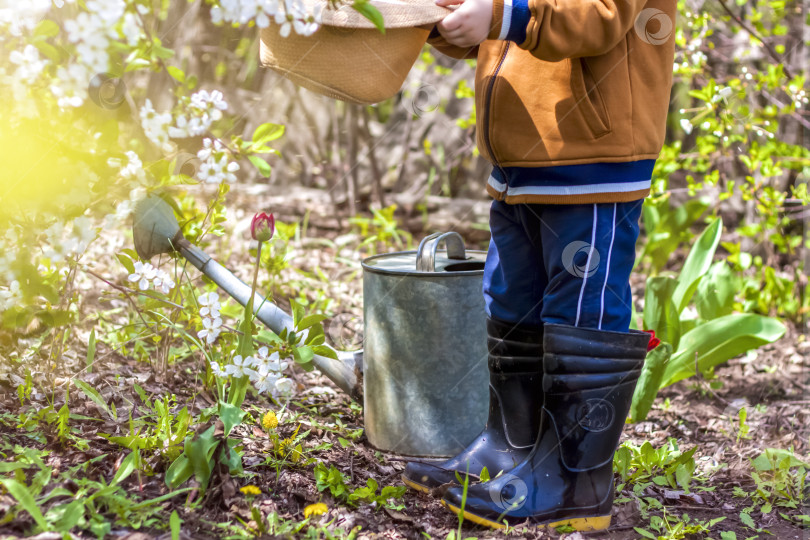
{"x": 697, "y": 264}
{"x": 179, "y": 471}
{"x": 323, "y": 350}
{"x": 716, "y": 291}
{"x": 200, "y": 452}
{"x": 769, "y": 459}
{"x": 371, "y": 13}
{"x": 308, "y": 321}
{"x": 683, "y": 475}
{"x": 126, "y": 262}
{"x": 26, "y": 500}
{"x": 718, "y": 341}
{"x": 650, "y": 381}
{"x": 177, "y": 73}
{"x": 267, "y": 132}
{"x": 660, "y": 313}
{"x": 46, "y": 28}
{"x": 261, "y": 165}
{"x": 230, "y": 415}
{"x": 231, "y": 458}
{"x": 304, "y": 355}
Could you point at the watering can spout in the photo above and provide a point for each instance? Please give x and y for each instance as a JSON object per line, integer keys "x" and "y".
{"x": 155, "y": 231}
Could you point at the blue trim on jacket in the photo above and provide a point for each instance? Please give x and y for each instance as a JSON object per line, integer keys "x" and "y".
{"x": 518, "y": 21}
{"x": 576, "y": 175}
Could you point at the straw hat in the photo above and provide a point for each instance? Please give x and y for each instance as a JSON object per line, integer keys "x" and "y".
{"x": 348, "y": 58}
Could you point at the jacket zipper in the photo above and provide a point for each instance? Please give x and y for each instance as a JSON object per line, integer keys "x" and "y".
{"x": 487, "y": 107}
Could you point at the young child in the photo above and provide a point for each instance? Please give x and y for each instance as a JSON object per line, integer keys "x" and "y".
{"x": 571, "y": 100}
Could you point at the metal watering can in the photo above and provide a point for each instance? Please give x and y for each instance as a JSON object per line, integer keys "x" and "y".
{"x": 425, "y": 389}
{"x": 425, "y": 381}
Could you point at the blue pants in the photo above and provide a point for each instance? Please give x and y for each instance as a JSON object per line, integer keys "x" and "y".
{"x": 566, "y": 264}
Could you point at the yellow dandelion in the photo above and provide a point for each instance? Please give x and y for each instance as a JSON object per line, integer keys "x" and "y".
{"x": 251, "y": 490}
{"x": 270, "y": 421}
{"x": 315, "y": 509}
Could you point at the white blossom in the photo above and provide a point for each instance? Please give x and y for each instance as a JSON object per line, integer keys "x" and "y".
{"x": 269, "y": 375}
{"x": 210, "y": 304}
{"x": 216, "y": 166}
{"x": 210, "y": 330}
{"x": 124, "y": 208}
{"x": 210, "y": 148}
{"x": 133, "y": 170}
{"x": 290, "y": 14}
{"x": 58, "y": 247}
{"x": 30, "y": 65}
{"x": 143, "y": 275}
{"x": 284, "y": 386}
{"x": 211, "y": 321}
{"x": 216, "y": 369}
{"x": 216, "y": 171}
{"x": 240, "y": 367}
{"x": 163, "y": 282}
{"x": 155, "y": 125}
{"x": 70, "y": 86}
{"x": 10, "y": 296}
{"x": 19, "y": 16}
{"x": 264, "y": 379}
{"x": 109, "y": 11}
{"x": 130, "y": 29}
{"x": 272, "y": 361}
{"x": 202, "y": 110}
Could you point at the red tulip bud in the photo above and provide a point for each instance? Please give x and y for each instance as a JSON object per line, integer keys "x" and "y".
{"x": 654, "y": 341}
{"x": 262, "y": 227}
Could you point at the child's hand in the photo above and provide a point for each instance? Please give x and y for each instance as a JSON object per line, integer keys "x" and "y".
{"x": 468, "y": 25}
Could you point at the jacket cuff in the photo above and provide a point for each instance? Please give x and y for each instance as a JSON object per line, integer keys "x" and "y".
{"x": 498, "y": 8}
{"x": 510, "y": 18}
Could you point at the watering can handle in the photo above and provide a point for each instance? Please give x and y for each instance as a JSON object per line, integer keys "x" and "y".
{"x": 426, "y": 253}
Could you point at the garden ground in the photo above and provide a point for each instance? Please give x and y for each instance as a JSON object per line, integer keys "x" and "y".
{"x": 730, "y": 494}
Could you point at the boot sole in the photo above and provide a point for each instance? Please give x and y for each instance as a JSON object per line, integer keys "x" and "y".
{"x": 413, "y": 485}
{"x": 580, "y": 524}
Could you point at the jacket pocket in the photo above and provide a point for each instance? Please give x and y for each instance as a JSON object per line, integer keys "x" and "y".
{"x": 589, "y": 100}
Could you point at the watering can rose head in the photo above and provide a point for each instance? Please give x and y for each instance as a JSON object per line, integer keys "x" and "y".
{"x": 262, "y": 227}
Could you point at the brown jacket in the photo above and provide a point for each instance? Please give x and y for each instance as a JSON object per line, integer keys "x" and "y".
{"x": 590, "y": 84}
